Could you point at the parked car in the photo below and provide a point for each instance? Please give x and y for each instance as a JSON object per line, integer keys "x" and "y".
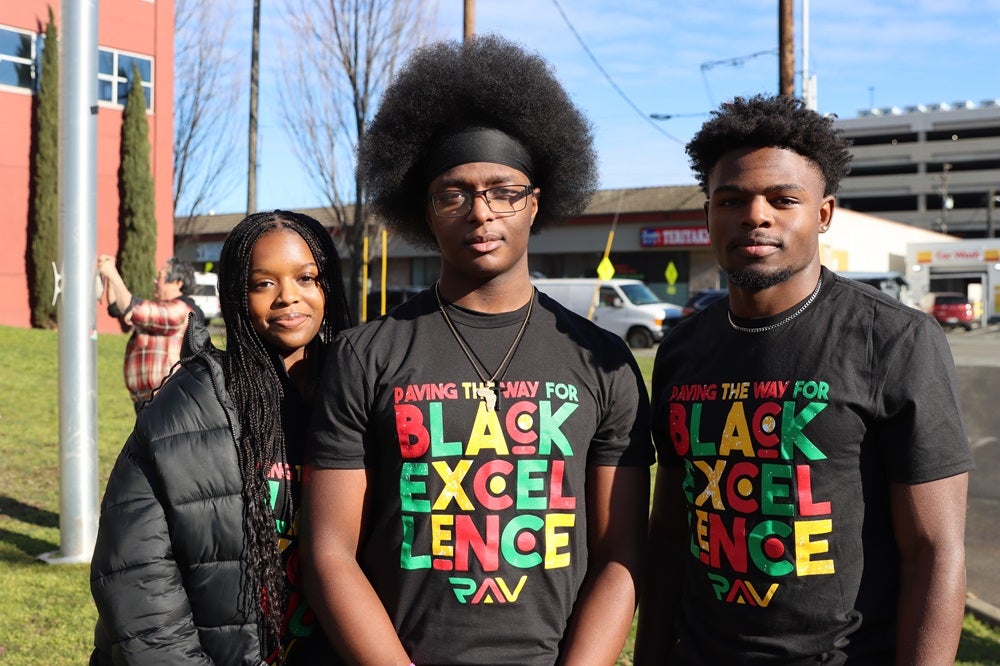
{"x": 206, "y": 294}
{"x": 952, "y": 309}
{"x": 623, "y": 306}
{"x": 891, "y": 283}
{"x": 702, "y": 299}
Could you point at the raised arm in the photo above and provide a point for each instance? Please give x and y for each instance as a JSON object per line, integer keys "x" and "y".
{"x": 343, "y": 599}
{"x": 929, "y": 524}
{"x": 118, "y": 293}
{"x": 617, "y": 507}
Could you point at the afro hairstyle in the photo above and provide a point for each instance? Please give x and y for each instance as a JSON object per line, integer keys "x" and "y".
{"x": 487, "y": 82}
{"x": 765, "y": 122}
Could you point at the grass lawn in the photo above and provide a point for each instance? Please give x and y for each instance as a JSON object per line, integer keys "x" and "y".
{"x": 46, "y": 613}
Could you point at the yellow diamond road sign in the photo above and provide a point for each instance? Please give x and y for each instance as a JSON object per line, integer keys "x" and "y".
{"x": 605, "y": 270}
{"x": 671, "y": 274}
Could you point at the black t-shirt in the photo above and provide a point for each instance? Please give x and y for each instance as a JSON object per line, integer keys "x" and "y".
{"x": 789, "y": 439}
{"x": 302, "y": 640}
{"x": 477, "y": 535}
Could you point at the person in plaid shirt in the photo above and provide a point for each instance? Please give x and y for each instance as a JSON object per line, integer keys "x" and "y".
{"x": 158, "y": 324}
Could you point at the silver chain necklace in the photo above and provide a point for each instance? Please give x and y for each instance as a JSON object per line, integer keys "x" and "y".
{"x": 771, "y": 327}
{"x": 487, "y": 389}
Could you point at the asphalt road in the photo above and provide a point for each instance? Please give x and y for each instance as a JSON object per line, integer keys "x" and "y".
{"x": 979, "y": 347}
{"x": 977, "y": 357}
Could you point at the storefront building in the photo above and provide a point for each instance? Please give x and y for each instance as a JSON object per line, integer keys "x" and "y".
{"x": 657, "y": 235}
{"x": 130, "y": 33}
{"x": 970, "y": 267}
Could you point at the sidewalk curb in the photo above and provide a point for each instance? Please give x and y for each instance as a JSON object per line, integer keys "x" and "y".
{"x": 982, "y": 610}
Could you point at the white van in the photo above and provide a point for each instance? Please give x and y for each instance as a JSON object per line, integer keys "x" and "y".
{"x": 623, "y": 306}
{"x": 206, "y": 294}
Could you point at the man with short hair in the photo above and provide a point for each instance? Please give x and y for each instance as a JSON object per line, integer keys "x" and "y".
{"x": 158, "y": 324}
{"x": 479, "y": 477}
{"x": 811, "y": 490}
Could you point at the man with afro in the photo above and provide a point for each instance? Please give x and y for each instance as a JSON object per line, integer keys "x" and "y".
{"x": 809, "y": 504}
{"x": 479, "y": 478}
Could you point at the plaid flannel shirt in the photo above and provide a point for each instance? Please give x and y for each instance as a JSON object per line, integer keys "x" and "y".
{"x": 155, "y": 344}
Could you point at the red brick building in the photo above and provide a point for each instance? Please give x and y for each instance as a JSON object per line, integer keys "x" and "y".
{"x": 129, "y": 31}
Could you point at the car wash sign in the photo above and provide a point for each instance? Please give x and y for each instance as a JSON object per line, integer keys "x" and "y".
{"x": 959, "y": 255}
{"x": 673, "y": 236}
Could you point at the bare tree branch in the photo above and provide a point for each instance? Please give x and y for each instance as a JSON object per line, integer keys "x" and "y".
{"x": 344, "y": 53}
{"x": 206, "y": 89}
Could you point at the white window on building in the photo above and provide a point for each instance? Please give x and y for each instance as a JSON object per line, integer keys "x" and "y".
{"x": 114, "y": 76}
{"x": 17, "y": 58}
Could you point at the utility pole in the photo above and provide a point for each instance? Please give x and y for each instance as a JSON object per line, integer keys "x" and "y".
{"x": 252, "y": 133}
{"x": 808, "y": 80}
{"x": 469, "y": 20}
{"x": 786, "y": 49}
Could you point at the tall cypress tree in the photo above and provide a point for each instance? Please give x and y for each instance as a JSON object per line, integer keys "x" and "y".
{"x": 136, "y": 207}
{"x": 43, "y": 225}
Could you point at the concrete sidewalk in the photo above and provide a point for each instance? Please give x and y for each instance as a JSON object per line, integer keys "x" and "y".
{"x": 984, "y": 611}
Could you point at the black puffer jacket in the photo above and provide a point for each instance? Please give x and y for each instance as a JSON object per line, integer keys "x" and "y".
{"x": 166, "y": 569}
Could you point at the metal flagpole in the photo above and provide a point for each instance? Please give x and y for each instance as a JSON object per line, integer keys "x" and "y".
{"x": 78, "y": 512}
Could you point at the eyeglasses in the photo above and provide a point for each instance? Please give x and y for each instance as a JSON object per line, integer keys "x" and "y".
{"x": 502, "y": 199}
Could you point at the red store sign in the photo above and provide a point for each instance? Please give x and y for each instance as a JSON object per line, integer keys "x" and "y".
{"x": 673, "y": 236}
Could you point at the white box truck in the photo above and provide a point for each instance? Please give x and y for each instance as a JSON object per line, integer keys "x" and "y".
{"x": 623, "y": 306}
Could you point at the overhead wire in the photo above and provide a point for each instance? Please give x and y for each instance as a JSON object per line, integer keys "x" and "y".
{"x": 738, "y": 61}
{"x": 611, "y": 81}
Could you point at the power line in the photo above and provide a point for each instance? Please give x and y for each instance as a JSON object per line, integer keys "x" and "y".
{"x": 738, "y": 61}
{"x": 607, "y": 76}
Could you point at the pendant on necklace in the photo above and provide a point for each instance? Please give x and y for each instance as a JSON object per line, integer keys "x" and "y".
{"x": 486, "y": 392}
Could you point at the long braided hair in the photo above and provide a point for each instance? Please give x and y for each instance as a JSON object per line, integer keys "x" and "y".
{"x": 251, "y": 370}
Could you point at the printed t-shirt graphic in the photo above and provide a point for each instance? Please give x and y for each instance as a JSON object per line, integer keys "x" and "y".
{"x": 478, "y": 517}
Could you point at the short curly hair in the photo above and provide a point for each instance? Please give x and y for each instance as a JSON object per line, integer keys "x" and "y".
{"x": 485, "y": 82}
{"x": 762, "y": 121}
{"x": 182, "y": 271}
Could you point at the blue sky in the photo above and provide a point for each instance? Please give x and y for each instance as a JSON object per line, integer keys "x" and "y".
{"x": 655, "y": 52}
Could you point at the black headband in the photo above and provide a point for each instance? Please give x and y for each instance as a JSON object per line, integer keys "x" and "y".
{"x": 476, "y": 144}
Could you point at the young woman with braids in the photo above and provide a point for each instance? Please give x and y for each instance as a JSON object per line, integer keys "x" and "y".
{"x": 197, "y": 557}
